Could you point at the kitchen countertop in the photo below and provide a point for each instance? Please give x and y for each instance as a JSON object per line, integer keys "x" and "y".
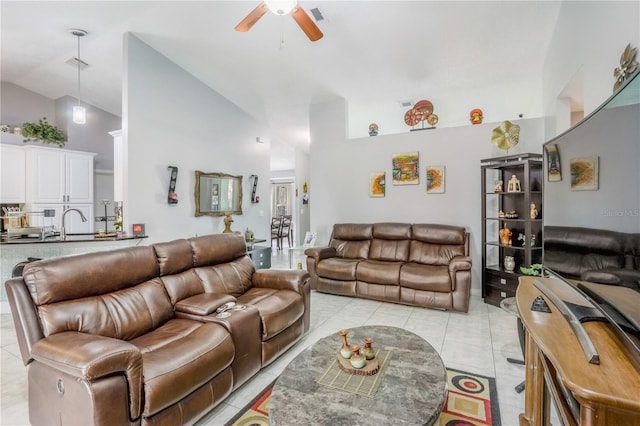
{"x": 71, "y": 238}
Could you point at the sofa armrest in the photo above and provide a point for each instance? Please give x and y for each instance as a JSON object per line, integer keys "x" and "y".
{"x": 90, "y": 357}
{"x": 25, "y": 318}
{"x": 281, "y": 279}
{"x": 203, "y": 304}
{"x": 319, "y": 253}
{"x": 459, "y": 263}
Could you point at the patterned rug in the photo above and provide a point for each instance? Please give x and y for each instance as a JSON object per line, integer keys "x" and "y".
{"x": 472, "y": 400}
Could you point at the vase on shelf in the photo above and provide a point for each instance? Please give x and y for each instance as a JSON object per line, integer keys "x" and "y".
{"x": 345, "y": 350}
{"x": 368, "y": 351}
{"x": 357, "y": 359}
{"x": 509, "y": 263}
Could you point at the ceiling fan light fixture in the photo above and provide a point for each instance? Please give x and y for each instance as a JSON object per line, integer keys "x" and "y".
{"x": 281, "y": 7}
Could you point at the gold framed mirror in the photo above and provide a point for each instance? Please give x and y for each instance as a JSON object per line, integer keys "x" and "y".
{"x": 217, "y": 194}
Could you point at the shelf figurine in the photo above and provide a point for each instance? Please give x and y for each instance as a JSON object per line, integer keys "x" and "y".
{"x": 534, "y": 211}
{"x": 505, "y": 236}
{"x": 514, "y": 184}
{"x": 498, "y": 186}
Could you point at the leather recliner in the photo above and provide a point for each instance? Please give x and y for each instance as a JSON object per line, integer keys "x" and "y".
{"x": 128, "y": 336}
{"x": 423, "y": 265}
{"x": 596, "y": 255}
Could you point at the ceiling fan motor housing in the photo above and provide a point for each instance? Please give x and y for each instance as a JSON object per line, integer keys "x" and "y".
{"x": 281, "y": 7}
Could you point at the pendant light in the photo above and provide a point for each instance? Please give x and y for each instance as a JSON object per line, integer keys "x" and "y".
{"x": 79, "y": 112}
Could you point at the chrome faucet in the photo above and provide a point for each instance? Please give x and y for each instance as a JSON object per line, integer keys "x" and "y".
{"x": 63, "y": 234}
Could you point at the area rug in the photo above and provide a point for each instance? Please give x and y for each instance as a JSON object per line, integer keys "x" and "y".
{"x": 472, "y": 400}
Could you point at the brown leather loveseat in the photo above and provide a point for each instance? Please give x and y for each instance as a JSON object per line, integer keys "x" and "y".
{"x": 414, "y": 264}
{"x": 595, "y": 255}
{"x": 131, "y": 336}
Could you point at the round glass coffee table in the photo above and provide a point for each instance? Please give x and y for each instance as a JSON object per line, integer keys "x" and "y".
{"x": 412, "y": 386}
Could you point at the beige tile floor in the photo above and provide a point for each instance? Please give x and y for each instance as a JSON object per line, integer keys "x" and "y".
{"x": 477, "y": 342}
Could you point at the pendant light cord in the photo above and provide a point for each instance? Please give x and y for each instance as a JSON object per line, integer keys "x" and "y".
{"x": 79, "y": 62}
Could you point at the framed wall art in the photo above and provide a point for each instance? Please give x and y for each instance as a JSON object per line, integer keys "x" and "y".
{"x": 435, "y": 179}
{"x": 584, "y": 174}
{"x": 554, "y": 173}
{"x": 405, "y": 168}
{"x": 377, "y": 184}
{"x": 309, "y": 239}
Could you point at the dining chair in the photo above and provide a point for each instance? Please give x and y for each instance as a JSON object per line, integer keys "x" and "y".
{"x": 276, "y": 226}
{"x": 286, "y": 231}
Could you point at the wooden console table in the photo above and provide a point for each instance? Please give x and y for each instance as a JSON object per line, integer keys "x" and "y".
{"x": 604, "y": 394}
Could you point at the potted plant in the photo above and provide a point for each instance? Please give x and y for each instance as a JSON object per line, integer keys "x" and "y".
{"x": 119, "y": 232}
{"x": 43, "y": 131}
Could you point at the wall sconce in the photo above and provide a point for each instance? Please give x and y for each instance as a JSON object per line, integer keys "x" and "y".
{"x": 172, "y": 197}
{"x": 305, "y": 195}
{"x": 254, "y": 198}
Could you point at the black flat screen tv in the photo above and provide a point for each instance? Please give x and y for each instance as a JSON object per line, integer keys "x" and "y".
{"x": 592, "y": 180}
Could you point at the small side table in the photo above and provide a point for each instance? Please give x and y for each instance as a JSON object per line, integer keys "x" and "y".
{"x": 509, "y": 305}
{"x": 294, "y": 252}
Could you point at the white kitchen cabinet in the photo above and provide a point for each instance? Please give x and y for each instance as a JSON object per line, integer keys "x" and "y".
{"x": 12, "y": 170}
{"x": 59, "y": 179}
{"x": 58, "y": 176}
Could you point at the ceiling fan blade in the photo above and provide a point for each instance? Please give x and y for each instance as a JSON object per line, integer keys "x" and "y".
{"x": 248, "y": 22}
{"x": 306, "y": 24}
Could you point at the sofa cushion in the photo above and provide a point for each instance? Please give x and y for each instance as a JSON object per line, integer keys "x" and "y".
{"x": 426, "y": 277}
{"x": 379, "y": 272}
{"x": 391, "y": 231}
{"x": 433, "y": 254}
{"x": 439, "y": 234}
{"x": 89, "y": 274}
{"x": 337, "y": 268}
{"x": 182, "y": 285}
{"x": 123, "y": 314}
{"x": 351, "y": 240}
{"x": 173, "y": 256}
{"x": 179, "y": 357}
{"x": 583, "y": 240}
{"x": 217, "y": 248}
{"x": 278, "y": 308}
{"x": 573, "y": 264}
{"x": 233, "y": 277}
{"x": 390, "y": 241}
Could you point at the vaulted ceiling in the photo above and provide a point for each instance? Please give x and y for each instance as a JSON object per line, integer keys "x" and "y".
{"x": 372, "y": 51}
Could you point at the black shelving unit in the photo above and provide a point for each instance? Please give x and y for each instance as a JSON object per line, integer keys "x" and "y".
{"x": 526, "y": 241}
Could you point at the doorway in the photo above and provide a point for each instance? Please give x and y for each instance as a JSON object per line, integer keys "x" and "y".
{"x": 282, "y": 204}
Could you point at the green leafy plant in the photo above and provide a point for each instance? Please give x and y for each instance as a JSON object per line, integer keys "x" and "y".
{"x": 118, "y": 225}
{"x": 43, "y": 131}
{"x": 535, "y": 270}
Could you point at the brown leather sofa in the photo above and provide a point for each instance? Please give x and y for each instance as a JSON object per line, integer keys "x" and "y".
{"x": 130, "y": 336}
{"x": 595, "y": 255}
{"x": 420, "y": 264}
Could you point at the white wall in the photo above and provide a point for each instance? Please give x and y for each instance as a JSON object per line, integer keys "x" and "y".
{"x": 589, "y": 38}
{"x": 340, "y": 170}
{"x": 20, "y": 105}
{"x": 303, "y": 210}
{"x": 172, "y": 119}
{"x": 453, "y": 110}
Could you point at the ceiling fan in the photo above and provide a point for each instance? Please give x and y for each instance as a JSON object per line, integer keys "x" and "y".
{"x": 282, "y": 7}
